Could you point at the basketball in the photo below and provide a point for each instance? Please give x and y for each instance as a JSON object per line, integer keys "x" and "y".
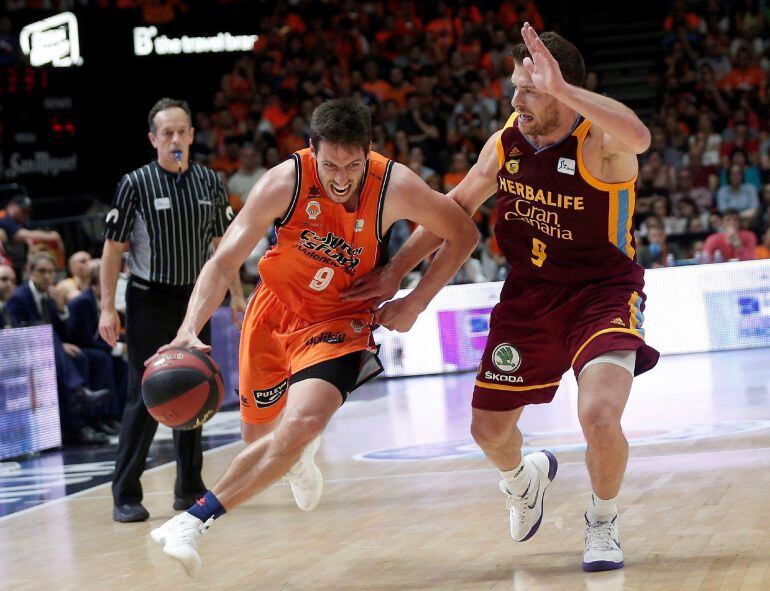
{"x": 182, "y": 388}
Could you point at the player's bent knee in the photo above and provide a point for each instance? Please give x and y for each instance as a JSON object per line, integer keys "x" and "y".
{"x": 488, "y": 434}
{"x": 597, "y": 420}
{"x": 303, "y": 428}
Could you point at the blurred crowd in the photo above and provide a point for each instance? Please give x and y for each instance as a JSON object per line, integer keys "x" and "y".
{"x": 437, "y": 77}
{"x": 438, "y": 81}
{"x": 704, "y": 184}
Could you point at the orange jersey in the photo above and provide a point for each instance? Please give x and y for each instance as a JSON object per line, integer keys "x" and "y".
{"x": 322, "y": 248}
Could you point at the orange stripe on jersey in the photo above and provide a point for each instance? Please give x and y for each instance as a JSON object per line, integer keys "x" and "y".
{"x": 581, "y": 132}
{"x": 500, "y": 150}
{"x": 622, "y": 198}
{"x": 322, "y": 248}
{"x": 481, "y": 384}
{"x": 612, "y": 220}
{"x": 636, "y": 317}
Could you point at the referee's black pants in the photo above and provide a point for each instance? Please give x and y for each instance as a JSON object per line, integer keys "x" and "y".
{"x": 154, "y": 313}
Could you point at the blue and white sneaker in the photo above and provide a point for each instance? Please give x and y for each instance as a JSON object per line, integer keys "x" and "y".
{"x": 602, "y": 550}
{"x": 526, "y": 511}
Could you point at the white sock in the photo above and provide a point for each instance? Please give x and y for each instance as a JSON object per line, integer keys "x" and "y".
{"x": 601, "y": 509}
{"x": 517, "y": 480}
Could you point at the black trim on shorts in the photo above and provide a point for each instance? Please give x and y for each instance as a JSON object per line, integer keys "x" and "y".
{"x": 341, "y": 372}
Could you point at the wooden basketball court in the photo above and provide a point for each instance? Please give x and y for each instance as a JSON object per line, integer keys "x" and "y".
{"x": 410, "y": 503}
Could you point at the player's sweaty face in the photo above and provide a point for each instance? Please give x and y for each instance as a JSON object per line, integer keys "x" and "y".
{"x": 537, "y": 110}
{"x": 340, "y": 169}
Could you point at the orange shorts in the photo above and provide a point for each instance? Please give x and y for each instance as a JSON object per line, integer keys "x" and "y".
{"x": 276, "y": 343}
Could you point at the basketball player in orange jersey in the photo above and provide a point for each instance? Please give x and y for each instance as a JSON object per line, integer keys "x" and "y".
{"x": 563, "y": 169}
{"x": 303, "y": 349}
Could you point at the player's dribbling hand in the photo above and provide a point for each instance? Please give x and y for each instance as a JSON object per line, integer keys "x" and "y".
{"x": 399, "y": 315}
{"x": 185, "y": 340}
{"x": 381, "y": 284}
{"x": 542, "y": 66}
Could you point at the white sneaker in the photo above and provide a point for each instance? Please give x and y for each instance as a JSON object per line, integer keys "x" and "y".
{"x": 602, "y": 546}
{"x": 306, "y": 480}
{"x": 527, "y": 510}
{"x": 179, "y": 538}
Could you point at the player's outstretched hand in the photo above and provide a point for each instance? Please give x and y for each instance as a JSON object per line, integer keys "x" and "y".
{"x": 381, "y": 284}
{"x": 183, "y": 341}
{"x": 399, "y": 315}
{"x": 542, "y": 66}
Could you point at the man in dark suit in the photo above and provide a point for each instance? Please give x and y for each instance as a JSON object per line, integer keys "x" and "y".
{"x": 7, "y": 283}
{"x": 83, "y": 331}
{"x": 37, "y": 302}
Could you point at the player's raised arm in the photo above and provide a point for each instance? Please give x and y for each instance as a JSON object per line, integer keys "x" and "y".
{"x": 624, "y": 132}
{"x": 473, "y": 190}
{"x": 410, "y": 198}
{"x": 269, "y": 200}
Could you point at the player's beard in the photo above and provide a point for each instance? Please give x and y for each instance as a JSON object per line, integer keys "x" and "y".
{"x": 546, "y": 123}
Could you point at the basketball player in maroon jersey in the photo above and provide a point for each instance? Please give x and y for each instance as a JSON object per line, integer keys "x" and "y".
{"x": 564, "y": 169}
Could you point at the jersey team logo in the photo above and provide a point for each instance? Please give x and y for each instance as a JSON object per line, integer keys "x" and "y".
{"x": 506, "y": 358}
{"x": 512, "y": 166}
{"x": 313, "y": 209}
{"x": 357, "y": 325}
{"x": 359, "y": 225}
{"x": 329, "y": 249}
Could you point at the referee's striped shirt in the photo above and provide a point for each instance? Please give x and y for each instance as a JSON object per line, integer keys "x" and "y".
{"x": 169, "y": 220}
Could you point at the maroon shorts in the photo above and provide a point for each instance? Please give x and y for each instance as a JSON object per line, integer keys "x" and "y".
{"x": 544, "y": 328}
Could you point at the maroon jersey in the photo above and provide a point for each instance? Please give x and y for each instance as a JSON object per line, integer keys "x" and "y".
{"x": 555, "y": 221}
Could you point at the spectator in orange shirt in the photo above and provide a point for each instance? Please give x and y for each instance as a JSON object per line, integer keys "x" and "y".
{"x": 498, "y": 55}
{"x": 457, "y": 171}
{"x": 399, "y": 88}
{"x": 280, "y": 111}
{"x": 239, "y": 87}
{"x": 763, "y": 250}
{"x": 680, "y": 15}
{"x": 373, "y": 84}
{"x": 230, "y": 161}
{"x": 295, "y": 139}
{"x": 744, "y": 75}
{"x": 442, "y": 27}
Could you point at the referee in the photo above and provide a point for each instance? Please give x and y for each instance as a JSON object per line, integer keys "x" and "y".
{"x": 168, "y": 213}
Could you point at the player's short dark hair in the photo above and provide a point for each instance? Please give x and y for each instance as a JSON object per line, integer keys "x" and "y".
{"x": 345, "y": 121}
{"x": 162, "y": 105}
{"x": 571, "y": 63}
